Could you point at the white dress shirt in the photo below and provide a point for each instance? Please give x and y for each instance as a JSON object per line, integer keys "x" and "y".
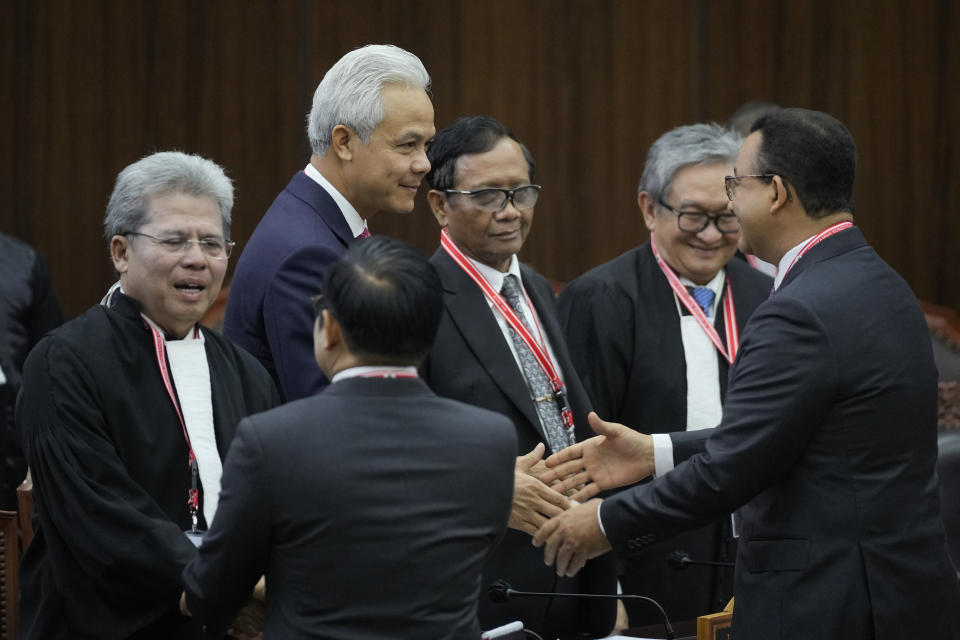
{"x": 704, "y": 408}
{"x": 356, "y": 223}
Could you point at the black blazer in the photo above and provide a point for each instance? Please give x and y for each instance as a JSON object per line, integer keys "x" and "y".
{"x": 268, "y": 311}
{"x": 829, "y": 439}
{"x": 365, "y": 521}
{"x": 470, "y": 361}
{"x": 623, "y": 331}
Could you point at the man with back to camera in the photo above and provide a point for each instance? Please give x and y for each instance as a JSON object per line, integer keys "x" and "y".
{"x": 127, "y": 411}
{"x": 368, "y": 127}
{"x": 499, "y": 346}
{"x": 828, "y": 439}
{"x": 372, "y": 505}
{"x": 652, "y": 333}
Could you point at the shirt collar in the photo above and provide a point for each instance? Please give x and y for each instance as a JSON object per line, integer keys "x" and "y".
{"x": 785, "y": 263}
{"x": 716, "y": 285}
{"x": 354, "y": 372}
{"x": 356, "y": 223}
{"x": 494, "y": 276}
{"x": 191, "y": 335}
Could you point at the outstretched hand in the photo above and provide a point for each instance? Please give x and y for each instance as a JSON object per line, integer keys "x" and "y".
{"x": 533, "y": 501}
{"x": 617, "y": 456}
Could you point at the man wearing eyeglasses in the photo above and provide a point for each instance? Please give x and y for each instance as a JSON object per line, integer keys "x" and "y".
{"x": 127, "y": 412}
{"x": 500, "y": 347}
{"x": 828, "y": 442}
{"x": 652, "y": 333}
{"x": 369, "y": 125}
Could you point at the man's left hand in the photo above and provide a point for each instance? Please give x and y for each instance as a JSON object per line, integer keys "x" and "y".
{"x": 572, "y": 537}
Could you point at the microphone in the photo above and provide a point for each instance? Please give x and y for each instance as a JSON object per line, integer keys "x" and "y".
{"x": 500, "y": 591}
{"x": 680, "y": 560}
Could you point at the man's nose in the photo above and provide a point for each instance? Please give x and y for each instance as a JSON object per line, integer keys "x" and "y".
{"x": 193, "y": 254}
{"x": 420, "y": 164}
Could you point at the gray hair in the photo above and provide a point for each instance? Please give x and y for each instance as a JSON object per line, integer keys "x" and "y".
{"x": 694, "y": 144}
{"x": 351, "y": 92}
{"x": 161, "y": 174}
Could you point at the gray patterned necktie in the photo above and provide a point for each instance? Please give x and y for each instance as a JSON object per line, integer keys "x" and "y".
{"x": 558, "y": 435}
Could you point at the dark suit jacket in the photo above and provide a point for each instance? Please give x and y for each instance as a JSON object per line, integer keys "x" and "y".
{"x": 829, "y": 438}
{"x": 471, "y": 362}
{"x": 268, "y": 310}
{"x": 365, "y": 520}
{"x": 623, "y": 332}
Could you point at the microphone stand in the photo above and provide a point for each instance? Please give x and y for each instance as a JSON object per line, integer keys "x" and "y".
{"x": 500, "y": 591}
{"x": 680, "y": 560}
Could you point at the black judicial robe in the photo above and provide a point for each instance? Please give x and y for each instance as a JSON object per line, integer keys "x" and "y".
{"x": 623, "y": 331}
{"x": 110, "y": 474}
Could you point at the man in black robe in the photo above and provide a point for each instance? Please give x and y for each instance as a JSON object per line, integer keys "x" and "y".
{"x": 127, "y": 411}
{"x": 28, "y": 309}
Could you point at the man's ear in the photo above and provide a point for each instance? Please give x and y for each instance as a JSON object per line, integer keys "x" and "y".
{"x": 119, "y": 250}
{"x": 781, "y": 194}
{"x": 439, "y": 206}
{"x": 330, "y": 334}
{"x": 647, "y": 208}
{"x": 340, "y": 140}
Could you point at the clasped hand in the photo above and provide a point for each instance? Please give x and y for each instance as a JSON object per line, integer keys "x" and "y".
{"x": 615, "y": 457}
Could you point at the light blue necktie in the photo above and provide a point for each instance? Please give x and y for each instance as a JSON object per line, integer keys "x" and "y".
{"x": 704, "y": 297}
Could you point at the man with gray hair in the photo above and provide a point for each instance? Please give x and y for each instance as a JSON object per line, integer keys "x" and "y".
{"x": 368, "y": 128}
{"x": 653, "y": 331}
{"x": 126, "y": 414}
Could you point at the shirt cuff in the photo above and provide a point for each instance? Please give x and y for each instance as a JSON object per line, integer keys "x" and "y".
{"x": 662, "y": 454}
{"x": 600, "y": 521}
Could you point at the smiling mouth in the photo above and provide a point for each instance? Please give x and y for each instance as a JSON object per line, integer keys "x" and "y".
{"x": 189, "y": 287}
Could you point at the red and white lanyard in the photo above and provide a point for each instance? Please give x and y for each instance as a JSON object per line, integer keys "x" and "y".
{"x": 815, "y": 240}
{"x": 538, "y": 351}
{"x": 386, "y": 373}
{"x": 729, "y": 312}
{"x": 193, "y": 493}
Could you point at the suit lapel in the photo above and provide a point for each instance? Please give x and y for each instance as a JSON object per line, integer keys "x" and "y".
{"x": 316, "y": 197}
{"x": 474, "y": 319}
{"x": 842, "y": 242}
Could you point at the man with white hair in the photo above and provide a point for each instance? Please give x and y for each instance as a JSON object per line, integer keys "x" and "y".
{"x": 126, "y": 414}
{"x": 652, "y": 333}
{"x": 369, "y": 127}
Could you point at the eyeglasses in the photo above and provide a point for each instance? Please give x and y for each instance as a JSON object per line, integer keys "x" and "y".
{"x": 695, "y": 222}
{"x": 213, "y": 248}
{"x": 492, "y": 200}
{"x": 730, "y": 182}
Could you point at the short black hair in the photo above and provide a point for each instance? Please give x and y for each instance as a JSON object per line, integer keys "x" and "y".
{"x": 387, "y": 299}
{"x": 812, "y": 151}
{"x": 467, "y": 136}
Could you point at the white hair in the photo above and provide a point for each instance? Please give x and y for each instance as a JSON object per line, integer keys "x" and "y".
{"x": 161, "y": 174}
{"x": 351, "y": 92}
{"x": 695, "y": 144}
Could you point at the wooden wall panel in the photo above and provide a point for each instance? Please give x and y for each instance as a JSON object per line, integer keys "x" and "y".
{"x": 91, "y": 86}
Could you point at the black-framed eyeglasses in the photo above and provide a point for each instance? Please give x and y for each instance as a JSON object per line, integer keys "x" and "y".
{"x": 695, "y": 221}
{"x": 730, "y": 182}
{"x": 492, "y": 199}
{"x": 213, "y": 248}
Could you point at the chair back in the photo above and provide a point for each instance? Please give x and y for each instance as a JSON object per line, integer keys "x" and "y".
{"x": 9, "y": 575}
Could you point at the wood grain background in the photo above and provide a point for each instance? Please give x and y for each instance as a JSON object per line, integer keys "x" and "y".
{"x": 90, "y": 86}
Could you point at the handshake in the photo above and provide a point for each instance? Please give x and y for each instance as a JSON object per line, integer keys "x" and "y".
{"x": 552, "y": 497}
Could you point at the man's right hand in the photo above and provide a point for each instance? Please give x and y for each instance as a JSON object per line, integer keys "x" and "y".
{"x": 617, "y": 456}
{"x": 533, "y": 501}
